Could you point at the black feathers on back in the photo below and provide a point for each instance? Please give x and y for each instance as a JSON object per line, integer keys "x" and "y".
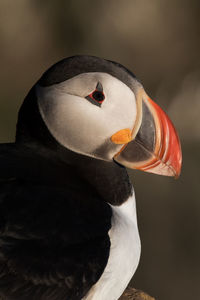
{"x": 54, "y": 242}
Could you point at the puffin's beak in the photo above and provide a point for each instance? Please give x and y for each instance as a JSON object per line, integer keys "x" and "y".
{"x": 155, "y": 146}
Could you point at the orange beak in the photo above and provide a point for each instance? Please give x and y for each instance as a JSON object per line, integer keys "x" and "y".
{"x": 155, "y": 147}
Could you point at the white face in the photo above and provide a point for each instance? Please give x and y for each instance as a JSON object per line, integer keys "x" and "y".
{"x": 82, "y": 126}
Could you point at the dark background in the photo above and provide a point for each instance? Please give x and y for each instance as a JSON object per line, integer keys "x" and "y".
{"x": 160, "y": 42}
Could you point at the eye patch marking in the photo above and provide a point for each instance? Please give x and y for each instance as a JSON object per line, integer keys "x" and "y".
{"x": 97, "y": 96}
{"x": 99, "y": 87}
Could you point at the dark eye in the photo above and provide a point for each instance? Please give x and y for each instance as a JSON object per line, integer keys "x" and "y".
{"x": 97, "y": 96}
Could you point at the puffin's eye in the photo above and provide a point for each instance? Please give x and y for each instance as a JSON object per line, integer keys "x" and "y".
{"x": 97, "y": 96}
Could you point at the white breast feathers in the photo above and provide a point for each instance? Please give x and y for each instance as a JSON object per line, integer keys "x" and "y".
{"x": 124, "y": 254}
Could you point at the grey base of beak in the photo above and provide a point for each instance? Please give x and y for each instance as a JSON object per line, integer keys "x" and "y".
{"x": 141, "y": 148}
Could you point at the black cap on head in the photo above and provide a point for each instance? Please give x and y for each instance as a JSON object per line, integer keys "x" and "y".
{"x": 75, "y": 65}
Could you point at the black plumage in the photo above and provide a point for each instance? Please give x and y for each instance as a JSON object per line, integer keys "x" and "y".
{"x": 54, "y": 240}
{"x": 75, "y": 65}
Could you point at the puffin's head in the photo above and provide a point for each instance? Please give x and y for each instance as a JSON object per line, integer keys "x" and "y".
{"x": 98, "y": 108}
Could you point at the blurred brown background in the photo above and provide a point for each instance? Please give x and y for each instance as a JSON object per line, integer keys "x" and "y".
{"x": 160, "y": 42}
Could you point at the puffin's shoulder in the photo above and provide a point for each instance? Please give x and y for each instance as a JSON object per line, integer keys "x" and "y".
{"x": 65, "y": 225}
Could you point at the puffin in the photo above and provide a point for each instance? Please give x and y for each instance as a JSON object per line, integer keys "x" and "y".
{"x": 68, "y": 223}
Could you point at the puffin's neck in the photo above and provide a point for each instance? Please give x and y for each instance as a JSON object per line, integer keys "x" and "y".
{"x": 109, "y": 179}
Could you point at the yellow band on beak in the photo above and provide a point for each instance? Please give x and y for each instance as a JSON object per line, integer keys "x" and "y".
{"x": 122, "y": 137}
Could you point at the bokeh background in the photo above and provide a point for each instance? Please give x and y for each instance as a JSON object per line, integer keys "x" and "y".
{"x": 160, "y": 42}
